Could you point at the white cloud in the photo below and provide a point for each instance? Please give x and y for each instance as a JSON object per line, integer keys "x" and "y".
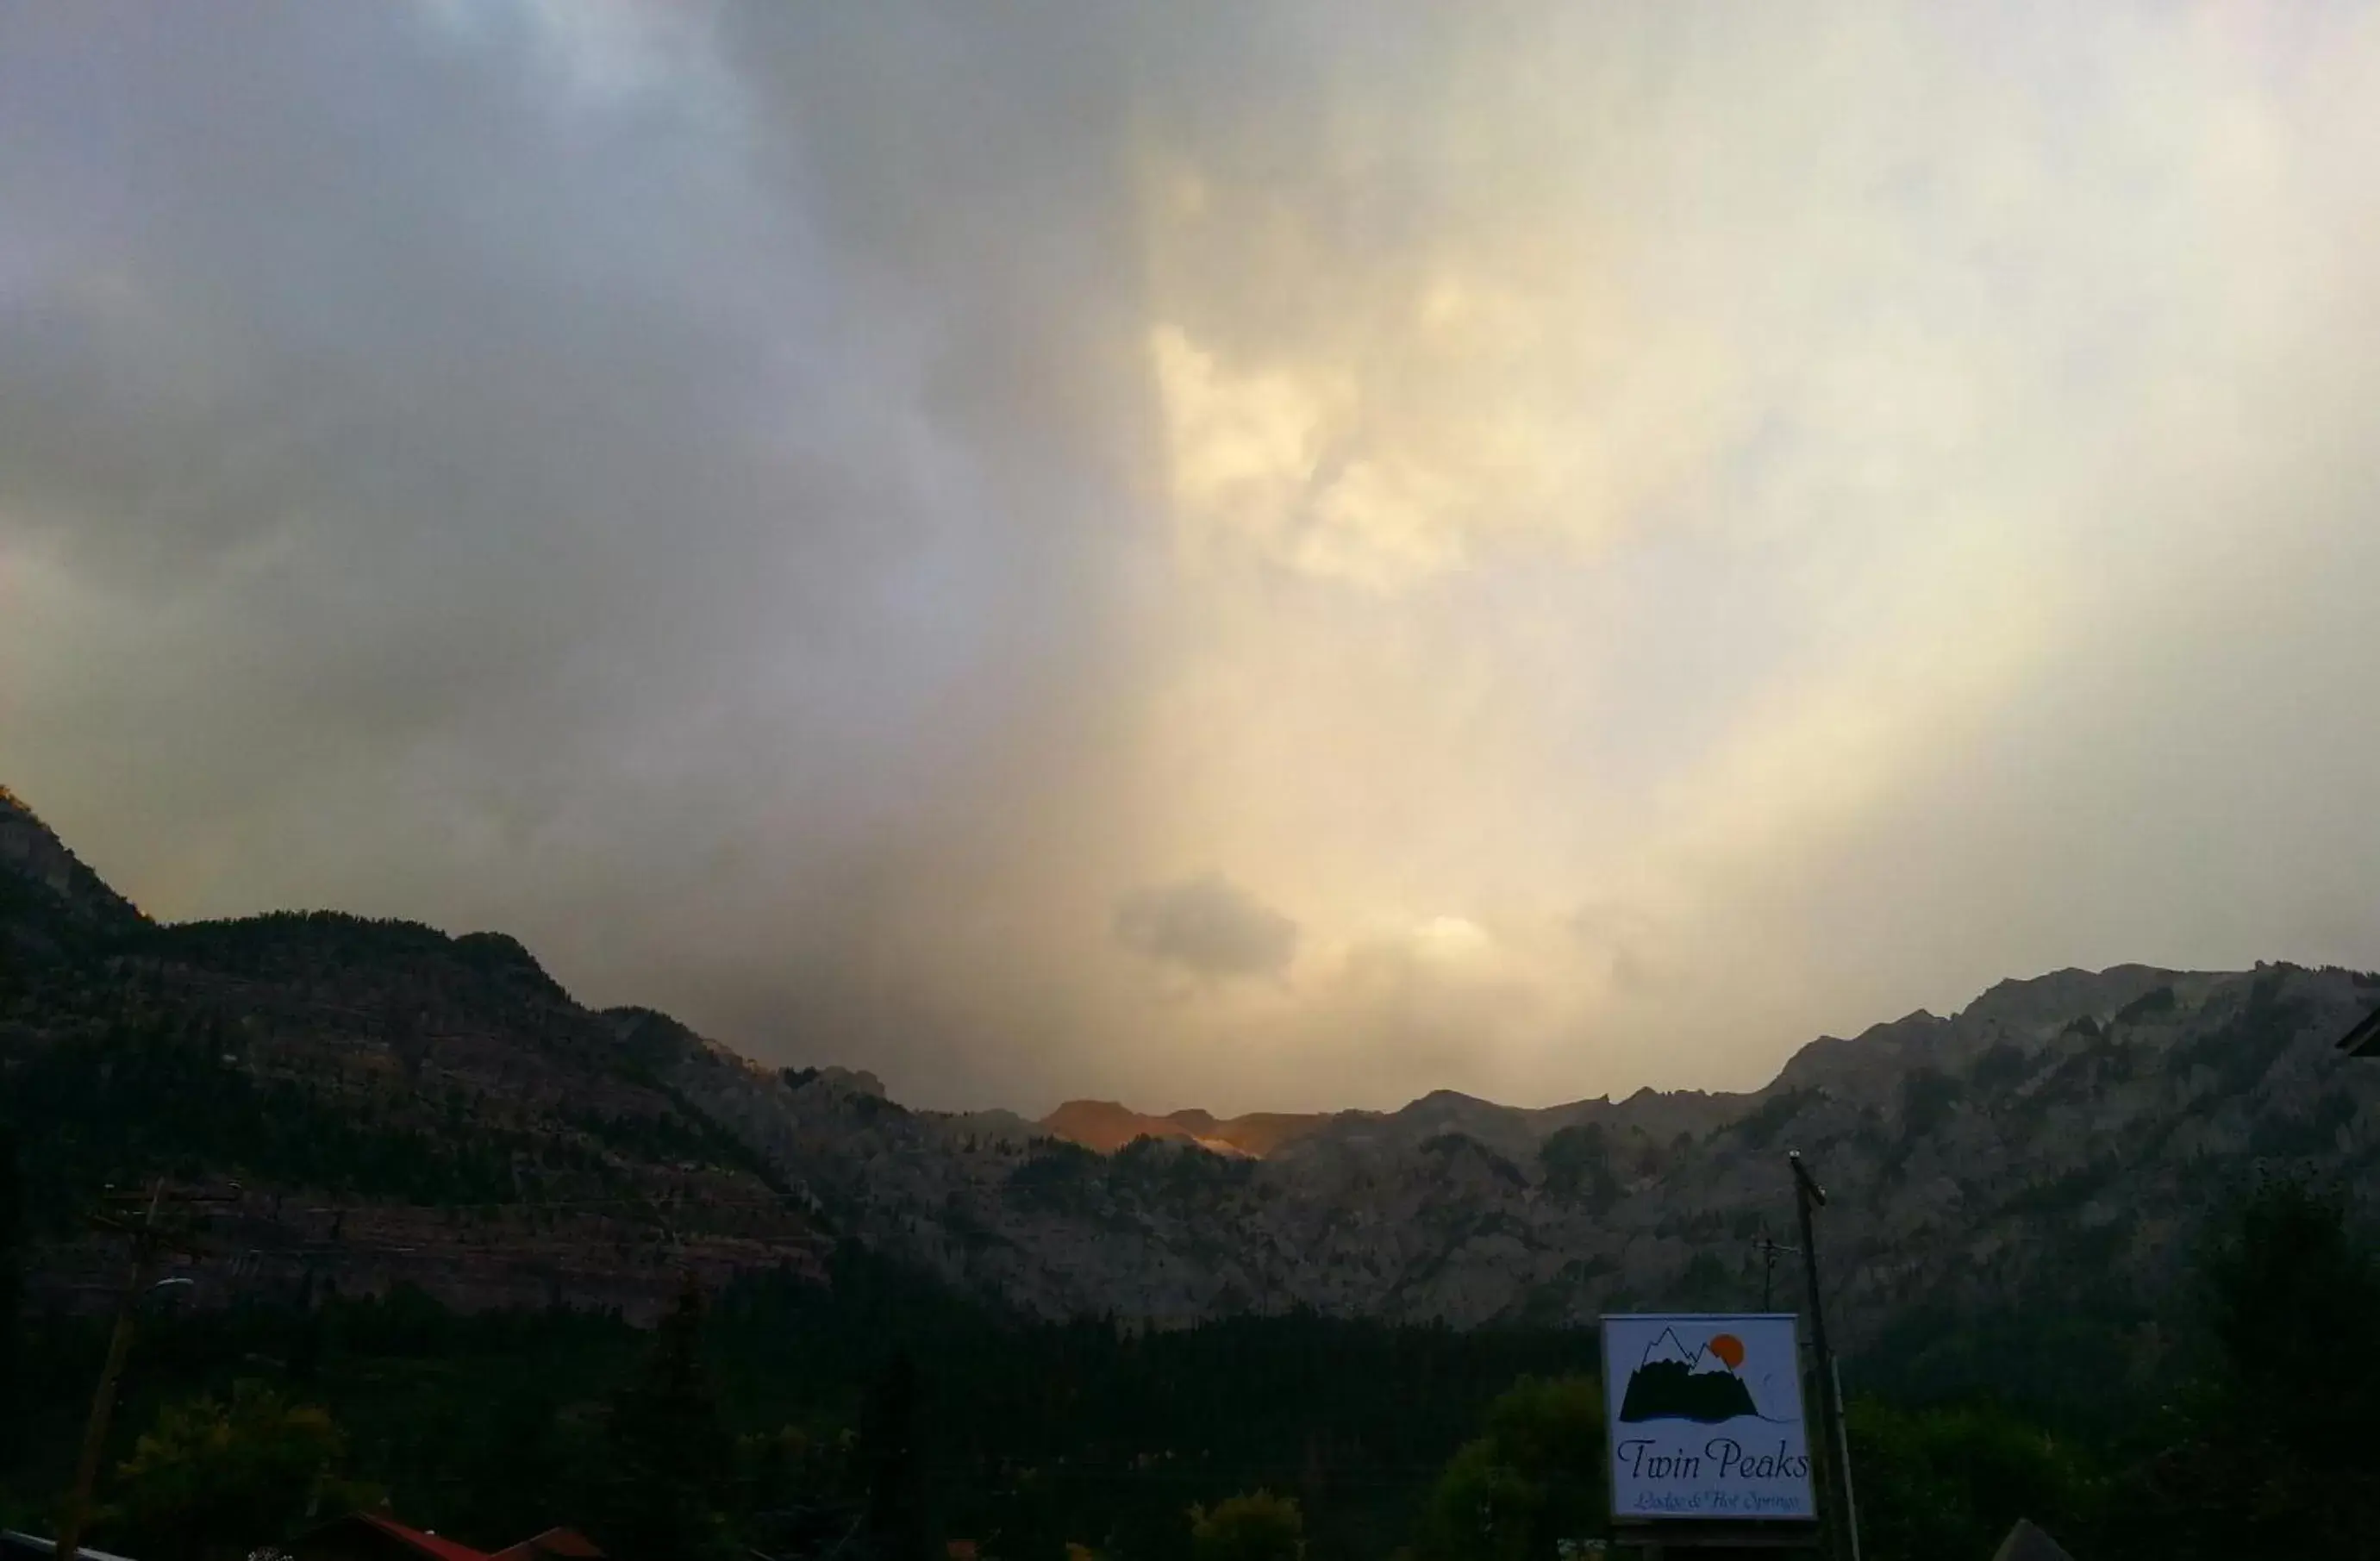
{"x": 799, "y": 513}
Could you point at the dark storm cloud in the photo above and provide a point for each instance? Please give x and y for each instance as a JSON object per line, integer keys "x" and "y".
{"x": 794, "y": 511}
{"x": 1207, "y": 925}
{"x": 498, "y": 477}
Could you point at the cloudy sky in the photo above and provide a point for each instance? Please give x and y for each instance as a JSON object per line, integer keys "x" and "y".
{"x": 1266, "y": 556}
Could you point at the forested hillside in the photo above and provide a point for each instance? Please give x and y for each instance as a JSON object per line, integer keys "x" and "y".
{"x": 396, "y": 1106}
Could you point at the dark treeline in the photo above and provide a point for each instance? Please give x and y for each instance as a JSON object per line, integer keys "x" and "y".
{"x": 1023, "y": 1437}
{"x": 884, "y": 1415}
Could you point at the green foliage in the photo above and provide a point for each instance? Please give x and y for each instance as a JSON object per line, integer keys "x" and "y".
{"x": 213, "y": 1479}
{"x": 2063, "y": 1347}
{"x": 1952, "y": 1482}
{"x": 1534, "y": 1480}
{"x": 1026, "y": 1436}
{"x": 893, "y": 1463}
{"x": 524, "y": 1456}
{"x": 1255, "y": 1527}
{"x": 12, "y": 1293}
{"x": 787, "y": 1485}
{"x": 2272, "y": 1455}
{"x": 670, "y": 1457}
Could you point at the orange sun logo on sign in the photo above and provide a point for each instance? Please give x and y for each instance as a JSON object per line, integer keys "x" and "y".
{"x": 1727, "y": 1347}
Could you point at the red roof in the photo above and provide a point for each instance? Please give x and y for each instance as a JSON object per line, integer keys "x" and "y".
{"x": 554, "y": 1544}
{"x": 567, "y": 1544}
{"x": 429, "y": 1545}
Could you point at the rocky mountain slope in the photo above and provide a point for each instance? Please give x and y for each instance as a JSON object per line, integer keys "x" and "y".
{"x": 398, "y": 1105}
{"x": 2058, "y": 1135}
{"x": 489, "y": 1138}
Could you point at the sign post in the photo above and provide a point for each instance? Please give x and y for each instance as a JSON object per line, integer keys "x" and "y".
{"x": 1808, "y": 1194}
{"x": 1709, "y": 1446}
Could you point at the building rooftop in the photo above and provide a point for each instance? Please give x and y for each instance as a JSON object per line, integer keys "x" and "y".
{"x": 554, "y": 1544}
{"x": 16, "y": 1545}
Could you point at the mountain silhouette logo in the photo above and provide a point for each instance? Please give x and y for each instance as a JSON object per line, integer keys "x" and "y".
{"x": 1671, "y": 1382}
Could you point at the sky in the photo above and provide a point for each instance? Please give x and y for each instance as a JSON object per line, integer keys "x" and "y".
{"x": 1255, "y": 555}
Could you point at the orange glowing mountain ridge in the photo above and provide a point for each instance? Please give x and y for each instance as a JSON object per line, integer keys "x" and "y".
{"x": 1107, "y": 1126}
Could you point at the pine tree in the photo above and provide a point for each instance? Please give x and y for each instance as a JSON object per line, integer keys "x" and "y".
{"x": 12, "y": 1291}
{"x": 891, "y": 1462}
{"x": 669, "y": 1458}
{"x": 2286, "y": 1427}
{"x": 2269, "y": 1453}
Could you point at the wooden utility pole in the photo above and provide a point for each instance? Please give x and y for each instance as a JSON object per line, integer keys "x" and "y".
{"x": 148, "y": 1241}
{"x": 1809, "y": 1195}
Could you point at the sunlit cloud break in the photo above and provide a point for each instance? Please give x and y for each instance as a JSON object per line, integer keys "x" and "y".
{"x": 1257, "y": 557}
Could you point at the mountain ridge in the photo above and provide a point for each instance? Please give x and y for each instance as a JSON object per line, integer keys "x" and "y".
{"x": 418, "y": 1108}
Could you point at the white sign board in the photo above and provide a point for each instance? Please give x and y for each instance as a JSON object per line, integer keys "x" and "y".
{"x": 1704, "y": 1412}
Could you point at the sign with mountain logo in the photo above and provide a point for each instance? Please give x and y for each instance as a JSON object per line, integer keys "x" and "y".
{"x": 1704, "y": 1412}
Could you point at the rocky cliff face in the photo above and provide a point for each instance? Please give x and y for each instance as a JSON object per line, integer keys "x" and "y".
{"x": 2059, "y": 1135}
{"x": 403, "y": 1105}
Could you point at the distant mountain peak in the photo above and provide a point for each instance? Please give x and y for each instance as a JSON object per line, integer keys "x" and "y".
{"x": 1108, "y": 1125}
